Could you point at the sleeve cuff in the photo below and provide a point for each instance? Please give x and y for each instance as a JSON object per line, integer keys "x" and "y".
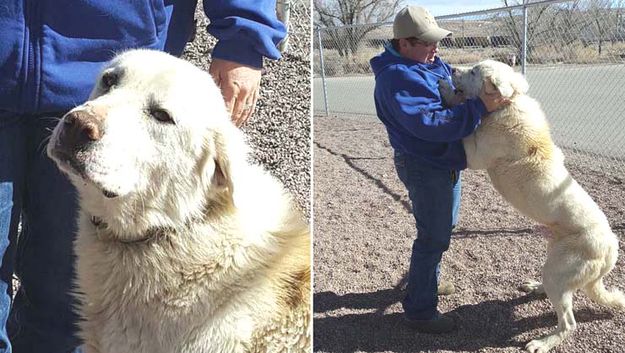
{"x": 238, "y": 51}
{"x": 479, "y": 105}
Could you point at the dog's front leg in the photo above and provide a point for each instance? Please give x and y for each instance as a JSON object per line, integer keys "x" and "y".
{"x": 475, "y": 158}
{"x": 449, "y": 96}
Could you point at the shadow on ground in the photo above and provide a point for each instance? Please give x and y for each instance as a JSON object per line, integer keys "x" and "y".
{"x": 350, "y": 161}
{"x": 487, "y": 324}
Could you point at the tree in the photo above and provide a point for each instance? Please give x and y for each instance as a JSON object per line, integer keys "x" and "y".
{"x": 603, "y": 21}
{"x": 357, "y": 17}
{"x": 567, "y": 23}
{"x": 620, "y": 20}
{"x": 593, "y": 21}
{"x": 536, "y": 25}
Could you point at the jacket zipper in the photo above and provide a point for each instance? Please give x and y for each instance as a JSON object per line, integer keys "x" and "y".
{"x": 30, "y": 97}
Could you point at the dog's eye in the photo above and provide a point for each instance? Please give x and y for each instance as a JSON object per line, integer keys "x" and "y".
{"x": 109, "y": 79}
{"x": 162, "y": 115}
{"x": 473, "y": 72}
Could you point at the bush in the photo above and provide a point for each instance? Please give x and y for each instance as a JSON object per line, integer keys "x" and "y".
{"x": 337, "y": 65}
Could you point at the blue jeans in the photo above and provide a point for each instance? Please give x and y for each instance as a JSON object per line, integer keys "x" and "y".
{"x": 40, "y": 319}
{"x": 435, "y": 197}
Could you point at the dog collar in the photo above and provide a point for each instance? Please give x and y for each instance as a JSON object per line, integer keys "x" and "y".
{"x": 104, "y": 234}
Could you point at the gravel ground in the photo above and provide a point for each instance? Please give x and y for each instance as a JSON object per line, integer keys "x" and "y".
{"x": 279, "y": 130}
{"x": 364, "y": 232}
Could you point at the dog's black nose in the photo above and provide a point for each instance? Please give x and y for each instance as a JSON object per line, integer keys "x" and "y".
{"x": 80, "y": 128}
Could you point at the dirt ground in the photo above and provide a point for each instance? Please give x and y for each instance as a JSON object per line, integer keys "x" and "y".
{"x": 279, "y": 130}
{"x": 363, "y": 233}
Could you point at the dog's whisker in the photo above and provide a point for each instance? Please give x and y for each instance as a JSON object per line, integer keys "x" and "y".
{"x": 52, "y": 118}
{"x": 43, "y": 143}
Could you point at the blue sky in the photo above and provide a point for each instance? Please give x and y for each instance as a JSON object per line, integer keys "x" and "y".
{"x": 439, "y": 8}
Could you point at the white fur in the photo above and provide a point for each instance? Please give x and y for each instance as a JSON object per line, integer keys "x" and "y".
{"x": 230, "y": 270}
{"x": 515, "y": 147}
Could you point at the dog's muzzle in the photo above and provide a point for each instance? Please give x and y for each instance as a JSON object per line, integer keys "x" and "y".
{"x": 80, "y": 128}
{"x": 77, "y": 131}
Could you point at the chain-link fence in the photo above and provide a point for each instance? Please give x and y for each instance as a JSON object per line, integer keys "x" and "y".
{"x": 572, "y": 53}
{"x": 295, "y": 14}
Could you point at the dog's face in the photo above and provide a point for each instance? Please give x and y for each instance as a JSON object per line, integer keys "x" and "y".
{"x": 493, "y": 75}
{"x": 153, "y": 126}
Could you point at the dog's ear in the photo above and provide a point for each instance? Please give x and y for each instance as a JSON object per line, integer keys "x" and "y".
{"x": 221, "y": 179}
{"x": 519, "y": 83}
{"x": 225, "y": 152}
{"x": 508, "y": 85}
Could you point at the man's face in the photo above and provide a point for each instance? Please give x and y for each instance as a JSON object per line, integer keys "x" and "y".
{"x": 415, "y": 49}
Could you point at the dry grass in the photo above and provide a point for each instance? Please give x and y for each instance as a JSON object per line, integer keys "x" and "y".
{"x": 573, "y": 53}
{"x": 336, "y": 65}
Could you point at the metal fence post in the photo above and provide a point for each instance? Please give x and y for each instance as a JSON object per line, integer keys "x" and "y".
{"x": 283, "y": 10}
{"x": 524, "y": 44}
{"x": 323, "y": 73}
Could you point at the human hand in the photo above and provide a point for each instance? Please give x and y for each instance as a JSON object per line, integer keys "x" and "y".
{"x": 239, "y": 86}
{"x": 492, "y": 99}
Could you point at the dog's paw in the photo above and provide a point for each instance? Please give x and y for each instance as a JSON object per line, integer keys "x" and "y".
{"x": 536, "y": 346}
{"x": 445, "y": 87}
{"x": 531, "y": 286}
{"x": 446, "y": 91}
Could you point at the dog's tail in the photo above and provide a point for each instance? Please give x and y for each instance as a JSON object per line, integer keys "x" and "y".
{"x": 611, "y": 298}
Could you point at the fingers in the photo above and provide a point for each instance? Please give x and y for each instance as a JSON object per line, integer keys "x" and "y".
{"x": 494, "y": 101}
{"x": 498, "y": 99}
{"x": 230, "y": 91}
{"x": 251, "y": 108}
{"x": 239, "y": 86}
{"x": 244, "y": 105}
{"x": 239, "y": 107}
{"x": 240, "y": 102}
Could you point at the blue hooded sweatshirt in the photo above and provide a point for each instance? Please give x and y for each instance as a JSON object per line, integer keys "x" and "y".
{"x": 409, "y": 104}
{"x": 52, "y": 50}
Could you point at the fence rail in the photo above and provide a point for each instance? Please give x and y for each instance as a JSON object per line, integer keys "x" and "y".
{"x": 572, "y": 53}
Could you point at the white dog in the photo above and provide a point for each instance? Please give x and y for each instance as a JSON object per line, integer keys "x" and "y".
{"x": 183, "y": 245}
{"x": 515, "y": 147}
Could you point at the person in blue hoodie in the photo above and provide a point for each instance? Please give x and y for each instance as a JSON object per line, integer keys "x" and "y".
{"x": 426, "y": 137}
{"x": 50, "y": 54}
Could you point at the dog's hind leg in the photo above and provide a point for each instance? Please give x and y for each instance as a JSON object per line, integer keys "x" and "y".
{"x": 562, "y": 301}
